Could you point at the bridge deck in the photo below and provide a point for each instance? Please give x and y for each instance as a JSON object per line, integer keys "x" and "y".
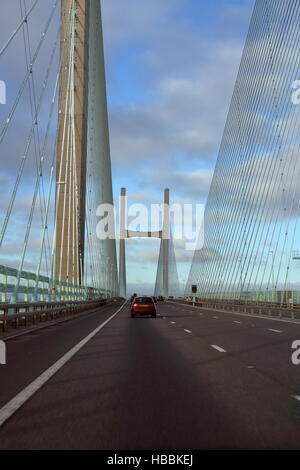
{"x": 188, "y": 379}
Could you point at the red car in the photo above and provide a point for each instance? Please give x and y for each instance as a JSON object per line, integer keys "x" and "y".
{"x": 143, "y": 306}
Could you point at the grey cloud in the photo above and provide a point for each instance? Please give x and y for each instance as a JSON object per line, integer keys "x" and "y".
{"x": 190, "y": 79}
{"x": 190, "y": 75}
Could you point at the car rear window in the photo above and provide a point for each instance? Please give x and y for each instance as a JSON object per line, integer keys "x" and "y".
{"x": 143, "y": 300}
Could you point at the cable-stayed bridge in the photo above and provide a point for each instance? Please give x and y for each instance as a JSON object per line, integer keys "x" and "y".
{"x": 67, "y": 152}
{"x": 63, "y": 169}
{"x": 251, "y": 223}
{"x": 219, "y": 371}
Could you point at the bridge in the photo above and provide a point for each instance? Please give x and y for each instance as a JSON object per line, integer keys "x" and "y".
{"x": 219, "y": 366}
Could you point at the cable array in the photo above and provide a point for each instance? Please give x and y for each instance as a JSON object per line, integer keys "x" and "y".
{"x": 35, "y": 159}
{"x": 252, "y": 212}
{"x": 48, "y": 181}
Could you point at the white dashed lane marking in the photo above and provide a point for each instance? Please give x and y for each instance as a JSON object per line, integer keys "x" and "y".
{"x": 297, "y": 397}
{"x": 188, "y": 331}
{"x": 218, "y": 348}
{"x": 237, "y": 322}
{"x": 275, "y": 331}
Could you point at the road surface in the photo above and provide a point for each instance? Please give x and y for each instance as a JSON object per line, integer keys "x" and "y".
{"x": 190, "y": 379}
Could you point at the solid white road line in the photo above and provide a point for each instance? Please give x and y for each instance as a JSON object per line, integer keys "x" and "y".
{"x": 188, "y": 331}
{"x": 275, "y": 331}
{"x": 218, "y": 348}
{"x": 15, "y": 404}
{"x": 242, "y": 314}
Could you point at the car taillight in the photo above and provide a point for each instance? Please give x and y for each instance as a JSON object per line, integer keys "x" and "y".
{"x": 135, "y": 305}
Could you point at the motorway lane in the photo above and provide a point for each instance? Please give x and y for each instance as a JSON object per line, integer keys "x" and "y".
{"x": 127, "y": 389}
{"x": 159, "y": 384}
{"x": 262, "y": 343}
{"x": 254, "y": 379}
{"x": 263, "y": 348}
{"x": 31, "y": 354}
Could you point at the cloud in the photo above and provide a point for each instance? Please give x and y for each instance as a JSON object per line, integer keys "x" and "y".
{"x": 167, "y": 126}
{"x": 186, "y": 186}
{"x": 190, "y": 75}
{"x": 140, "y": 288}
{"x": 139, "y": 21}
{"x": 170, "y": 79}
{"x": 187, "y": 118}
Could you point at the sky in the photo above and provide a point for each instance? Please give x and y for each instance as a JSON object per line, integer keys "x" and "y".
{"x": 171, "y": 67}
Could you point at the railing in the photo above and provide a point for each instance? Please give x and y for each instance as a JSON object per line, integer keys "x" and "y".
{"x": 33, "y": 288}
{"x": 26, "y": 314}
{"x": 296, "y": 255}
{"x": 269, "y": 309}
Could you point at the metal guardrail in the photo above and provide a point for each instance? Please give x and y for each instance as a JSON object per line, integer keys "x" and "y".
{"x": 42, "y": 288}
{"x": 25, "y": 314}
{"x": 291, "y": 311}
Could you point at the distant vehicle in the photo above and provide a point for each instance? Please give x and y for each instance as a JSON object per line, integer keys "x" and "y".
{"x": 160, "y": 298}
{"x": 133, "y": 297}
{"x": 143, "y": 306}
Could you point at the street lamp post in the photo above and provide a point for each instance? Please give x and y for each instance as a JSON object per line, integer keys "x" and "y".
{"x": 241, "y": 278}
{"x": 272, "y": 271}
{"x": 106, "y": 275}
{"x": 111, "y": 280}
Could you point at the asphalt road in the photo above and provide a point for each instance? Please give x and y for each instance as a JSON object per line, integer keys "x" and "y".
{"x": 190, "y": 379}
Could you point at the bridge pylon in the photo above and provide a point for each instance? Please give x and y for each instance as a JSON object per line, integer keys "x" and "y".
{"x": 72, "y": 142}
{"x": 163, "y": 234}
{"x": 83, "y": 163}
